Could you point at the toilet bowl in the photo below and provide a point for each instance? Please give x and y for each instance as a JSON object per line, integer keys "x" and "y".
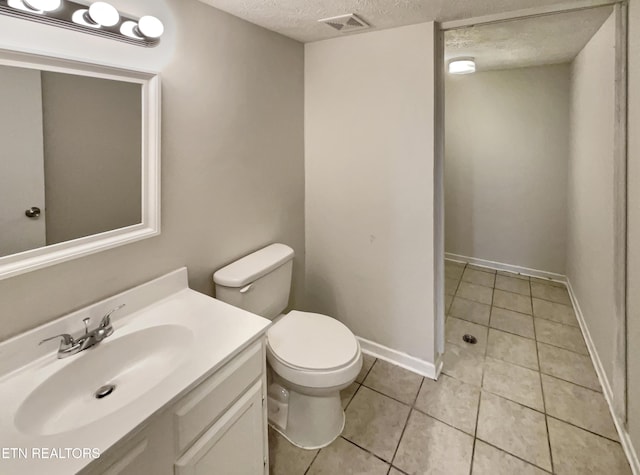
{"x": 311, "y": 356}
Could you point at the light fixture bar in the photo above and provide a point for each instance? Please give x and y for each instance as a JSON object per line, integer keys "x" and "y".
{"x": 63, "y": 18}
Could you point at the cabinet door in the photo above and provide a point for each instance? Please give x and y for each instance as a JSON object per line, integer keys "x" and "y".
{"x": 149, "y": 452}
{"x": 232, "y": 446}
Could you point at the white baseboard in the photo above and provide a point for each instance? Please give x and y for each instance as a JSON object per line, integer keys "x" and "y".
{"x": 625, "y": 439}
{"x": 506, "y": 267}
{"x": 424, "y": 368}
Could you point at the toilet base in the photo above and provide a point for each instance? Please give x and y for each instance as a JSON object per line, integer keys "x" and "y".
{"x": 313, "y": 420}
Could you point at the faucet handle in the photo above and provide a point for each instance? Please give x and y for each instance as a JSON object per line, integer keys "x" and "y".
{"x": 106, "y": 320}
{"x": 86, "y": 325}
{"x": 67, "y": 340}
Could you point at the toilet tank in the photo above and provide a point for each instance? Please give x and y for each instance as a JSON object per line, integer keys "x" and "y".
{"x": 259, "y": 283}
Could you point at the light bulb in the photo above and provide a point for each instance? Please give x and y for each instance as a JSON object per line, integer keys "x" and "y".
{"x": 129, "y": 28}
{"x": 150, "y": 27}
{"x": 19, "y": 5}
{"x": 102, "y": 14}
{"x": 43, "y": 5}
{"x": 79, "y": 17}
{"x": 462, "y": 66}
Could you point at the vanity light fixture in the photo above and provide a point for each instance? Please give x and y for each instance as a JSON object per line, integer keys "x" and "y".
{"x": 41, "y": 6}
{"x": 99, "y": 18}
{"x": 462, "y": 66}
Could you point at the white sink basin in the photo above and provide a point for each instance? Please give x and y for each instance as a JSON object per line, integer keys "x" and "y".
{"x": 166, "y": 341}
{"x": 135, "y": 363}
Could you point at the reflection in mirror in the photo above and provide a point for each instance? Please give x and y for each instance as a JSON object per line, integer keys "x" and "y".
{"x": 71, "y": 148}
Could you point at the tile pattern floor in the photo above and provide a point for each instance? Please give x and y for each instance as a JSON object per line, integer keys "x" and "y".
{"x": 524, "y": 399}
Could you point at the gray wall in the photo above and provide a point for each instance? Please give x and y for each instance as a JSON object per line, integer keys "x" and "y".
{"x": 92, "y": 147}
{"x": 633, "y": 316}
{"x": 590, "y": 243}
{"x": 232, "y": 156}
{"x": 507, "y": 146}
{"x": 369, "y": 130}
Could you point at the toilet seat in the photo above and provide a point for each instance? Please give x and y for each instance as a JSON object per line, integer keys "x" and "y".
{"x": 313, "y": 350}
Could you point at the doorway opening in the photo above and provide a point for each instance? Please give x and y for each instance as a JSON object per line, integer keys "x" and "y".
{"x": 533, "y": 197}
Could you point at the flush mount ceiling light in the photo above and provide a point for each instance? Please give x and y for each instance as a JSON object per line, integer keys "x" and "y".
{"x": 103, "y": 14}
{"x": 462, "y": 66}
{"x": 99, "y": 18}
{"x": 42, "y": 5}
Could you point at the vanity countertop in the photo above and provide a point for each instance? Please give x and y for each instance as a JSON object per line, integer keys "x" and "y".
{"x": 167, "y": 340}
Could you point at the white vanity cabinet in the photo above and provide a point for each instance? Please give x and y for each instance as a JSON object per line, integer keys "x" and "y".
{"x": 219, "y": 427}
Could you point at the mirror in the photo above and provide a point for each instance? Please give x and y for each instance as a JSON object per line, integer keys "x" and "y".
{"x": 79, "y": 159}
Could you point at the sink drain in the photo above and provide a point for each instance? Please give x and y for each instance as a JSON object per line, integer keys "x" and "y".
{"x": 104, "y": 391}
{"x": 470, "y": 339}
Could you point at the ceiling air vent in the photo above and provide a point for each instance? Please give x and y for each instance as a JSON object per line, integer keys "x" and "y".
{"x": 344, "y": 23}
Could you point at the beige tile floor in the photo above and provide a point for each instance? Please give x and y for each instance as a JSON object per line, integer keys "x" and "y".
{"x": 524, "y": 399}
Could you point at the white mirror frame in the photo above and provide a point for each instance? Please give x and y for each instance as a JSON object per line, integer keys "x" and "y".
{"x": 33, "y": 259}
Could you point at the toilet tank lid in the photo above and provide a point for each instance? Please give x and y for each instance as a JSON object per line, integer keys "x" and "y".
{"x": 252, "y": 267}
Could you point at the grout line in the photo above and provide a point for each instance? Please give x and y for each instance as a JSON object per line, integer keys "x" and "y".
{"x": 366, "y": 450}
{"x": 551, "y": 301}
{"x": 390, "y": 397}
{"x": 544, "y": 403}
{"x": 512, "y": 310}
{"x": 312, "y": 460}
{"x": 514, "y": 456}
{"x": 375, "y": 360}
{"x": 582, "y": 428}
{"x": 406, "y": 423}
{"x": 448, "y": 423}
{"x": 570, "y": 382}
{"x": 562, "y": 347}
{"x": 511, "y": 333}
{"x": 548, "y": 319}
{"x": 352, "y": 396}
{"x": 475, "y": 429}
{"x": 396, "y": 468}
{"x": 486, "y": 349}
{"x": 506, "y": 398}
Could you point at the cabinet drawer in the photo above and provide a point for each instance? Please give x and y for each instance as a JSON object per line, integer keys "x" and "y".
{"x": 205, "y": 404}
{"x": 232, "y": 446}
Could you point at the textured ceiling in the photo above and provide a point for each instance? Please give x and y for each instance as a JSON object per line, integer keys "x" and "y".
{"x": 298, "y": 19}
{"x": 530, "y": 42}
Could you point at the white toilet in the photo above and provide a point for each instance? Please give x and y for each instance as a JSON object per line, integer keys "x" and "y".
{"x": 312, "y": 356}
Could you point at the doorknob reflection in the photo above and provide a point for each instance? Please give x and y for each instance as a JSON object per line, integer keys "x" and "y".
{"x": 33, "y": 212}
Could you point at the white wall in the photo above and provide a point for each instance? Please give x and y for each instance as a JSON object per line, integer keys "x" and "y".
{"x": 590, "y": 244}
{"x": 633, "y": 296}
{"x": 507, "y": 146}
{"x": 369, "y": 151}
{"x": 232, "y": 155}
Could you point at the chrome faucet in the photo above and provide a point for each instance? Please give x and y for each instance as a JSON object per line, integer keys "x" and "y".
{"x": 70, "y": 346}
